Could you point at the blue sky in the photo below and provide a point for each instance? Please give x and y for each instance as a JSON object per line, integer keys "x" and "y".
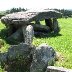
{"x": 35, "y": 4}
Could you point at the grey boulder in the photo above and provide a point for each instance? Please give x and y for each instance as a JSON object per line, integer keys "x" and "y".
{"x": 44, "y": 56}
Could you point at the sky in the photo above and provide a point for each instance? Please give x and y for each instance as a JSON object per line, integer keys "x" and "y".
{"x": 35, "y": 4}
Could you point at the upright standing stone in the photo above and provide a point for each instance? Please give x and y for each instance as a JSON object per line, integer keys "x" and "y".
{"x": 29, "y": 34}
{"x": 49, "y": 23}
{"x": 43, "y": 57}
{"x": 56, "y": 28}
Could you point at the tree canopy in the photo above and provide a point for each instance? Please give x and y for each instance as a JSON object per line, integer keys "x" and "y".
{"x": 13, "y": 10}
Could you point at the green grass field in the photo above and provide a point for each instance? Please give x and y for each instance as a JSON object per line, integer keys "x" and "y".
{"x": 62, "y": 43}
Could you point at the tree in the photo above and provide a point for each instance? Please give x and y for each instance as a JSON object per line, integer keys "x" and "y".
{"x": 13, "y": 10}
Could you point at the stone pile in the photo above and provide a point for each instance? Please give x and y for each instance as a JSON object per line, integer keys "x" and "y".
{"x": 44, "y": 56}
{"x": 25, "y": 57}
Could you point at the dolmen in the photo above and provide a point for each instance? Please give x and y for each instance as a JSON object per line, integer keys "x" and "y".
{"x": 16, "y": 23}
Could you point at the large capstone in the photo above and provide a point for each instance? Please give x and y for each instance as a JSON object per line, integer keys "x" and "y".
{"x": 43, "y": 57}
{"x": 23, "y": 18}
{"x": 15, "y": 21}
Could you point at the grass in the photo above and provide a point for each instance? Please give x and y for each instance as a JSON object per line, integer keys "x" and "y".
{"x": 62, "y": 43}
{"x": 3, "y": 43}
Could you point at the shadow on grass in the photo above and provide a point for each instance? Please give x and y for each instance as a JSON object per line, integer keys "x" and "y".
{"x": 4, "y": 35}
{"x": 47, "y": 35}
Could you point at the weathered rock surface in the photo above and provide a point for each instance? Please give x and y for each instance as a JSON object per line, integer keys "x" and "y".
{"x": 23, "y": 18}
{"x": 43, "y": 57}
{"x": 16, "y": 37}
{"x": 49, "y": 23}
{"x": 26, "y": 58}
{"x": 41, "y": 28}
{"x": 18, "y": 58}
{"x": 57, "y": 69}
{"x": 24, "y": 34}
{"x": 29, "y": 33}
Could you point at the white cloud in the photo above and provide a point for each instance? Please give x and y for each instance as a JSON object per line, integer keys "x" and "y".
{"x": 35, "y": 4}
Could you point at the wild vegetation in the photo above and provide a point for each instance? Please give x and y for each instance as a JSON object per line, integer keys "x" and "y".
{"x": 66, "y": 13}
{"x": 15, "y": 10}
{"x": 62, "y": 42}
{"x": 12, "y": 10}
